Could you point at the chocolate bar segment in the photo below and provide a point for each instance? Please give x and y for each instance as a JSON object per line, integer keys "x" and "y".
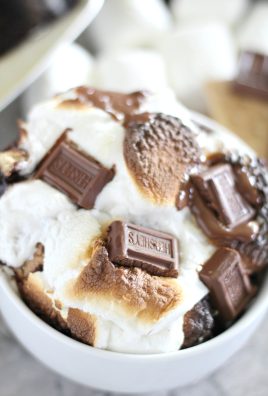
{"x": 217, "y": 188}
{"x": 74, "y": 173}
{"x": 252, "y": 76}
{"x": 134, "y": 246}
{"x": 229, "y": 286}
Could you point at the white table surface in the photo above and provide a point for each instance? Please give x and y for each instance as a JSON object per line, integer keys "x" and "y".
{"x": 246, "y": 374}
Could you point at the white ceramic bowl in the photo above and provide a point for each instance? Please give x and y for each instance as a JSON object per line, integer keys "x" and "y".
{"x": 119, "y": 372}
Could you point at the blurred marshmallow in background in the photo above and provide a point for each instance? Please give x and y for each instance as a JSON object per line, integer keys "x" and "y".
{"x": 131, "y": 70}
{"x": 225, "y": 11}
{"x": 196, "y": 53}
{"x": 128, "y": 23}
{"x": 72, "y": 66}
{"x": 253, "y": 33}
{"x": 148, "y": 45}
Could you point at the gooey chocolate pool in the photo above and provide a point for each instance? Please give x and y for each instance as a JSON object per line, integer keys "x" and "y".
{"x": 129, "y": 226}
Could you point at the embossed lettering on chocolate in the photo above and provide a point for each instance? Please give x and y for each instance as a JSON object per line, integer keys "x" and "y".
{"x": 228, "y": 282}
{"x": 134, "y": 246}
{"x": 217, "y": 187}
{"x": 74, "y": 173}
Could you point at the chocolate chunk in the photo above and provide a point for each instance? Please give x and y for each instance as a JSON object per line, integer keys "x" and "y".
{"x": 217, "y": 187}
{"x": 134, "y": 246}
{"x": 120, "y": 106}
{"x": 228, "y": 283}
{"x": 252, "y": 76}
{"x": 214, "y": 229}
{"x": 198, "y": 324}
{"x": 74, "y": 173}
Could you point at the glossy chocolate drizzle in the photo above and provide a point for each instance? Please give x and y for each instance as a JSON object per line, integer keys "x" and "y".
{"x": 120, "y": 106}
{"x": 214, "y": 229}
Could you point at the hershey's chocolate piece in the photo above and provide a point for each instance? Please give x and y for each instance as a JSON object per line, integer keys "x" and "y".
{"x": 74, "y": 173}
{"x": 217, "y": 187}
{"x": 228, "y": 283}
{"x": 214, "y": 229}
{"x": 134, "y": 246}
{"x": 252, "y": 75}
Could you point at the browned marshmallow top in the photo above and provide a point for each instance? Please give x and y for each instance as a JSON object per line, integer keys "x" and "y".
{"x": 141, "y": 295}
{"x": 160, "y": 153}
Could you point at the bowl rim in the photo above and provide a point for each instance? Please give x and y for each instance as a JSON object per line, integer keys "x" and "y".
{"x": 257, "y": 308}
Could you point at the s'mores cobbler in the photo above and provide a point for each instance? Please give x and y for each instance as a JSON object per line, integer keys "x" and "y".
{"x": 129, "y": 226}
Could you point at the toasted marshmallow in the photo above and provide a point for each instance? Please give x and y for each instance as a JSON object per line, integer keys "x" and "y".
{"x": 94, "y": 330}
{"x": 24, "y": 210}
{"x": 36, "y": 292}
{"x": 92, "y": 129}
{"x": 252, "y": 34}
{"x": 228, "y": 11}
{"x": 194, "y": 54}
{"x": 131, "y": 70}
{"x": 71, "y": 66}
{"x": 127, "y": 23}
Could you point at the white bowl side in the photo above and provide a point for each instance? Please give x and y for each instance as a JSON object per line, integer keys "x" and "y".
{"x": 119, "y": 372}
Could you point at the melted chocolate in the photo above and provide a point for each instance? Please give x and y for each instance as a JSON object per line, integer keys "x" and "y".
{"x": 121, "y": 106}
{"x": 252, "y": 183}
{"x": 216, "y": 186}
{"x": 214, "y": 229}
{"x": 246, "y": 186}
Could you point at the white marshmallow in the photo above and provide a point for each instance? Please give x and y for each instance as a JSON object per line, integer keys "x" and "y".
{"x": 253, "y": 33}
{"x": 128, "y": 23}
{"x": 227, "y": 11}
{"x": 24, "y": 210}
{"x": 67, "y": 242}
{"x": 169, "y": 339}
{"x": 195, "y": 54}
{"x": 131, "y": 70}
{"x": 92, "y": 129}
{"x": 72, "y": 66}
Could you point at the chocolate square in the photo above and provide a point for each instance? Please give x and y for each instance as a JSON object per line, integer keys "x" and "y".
{"x": 217, "y": 188}
{"x": 252, "y": 75}
{"x": 134, "y": 246}
{"x": 228, "y": 283}
{"x": 74, "y": 173}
